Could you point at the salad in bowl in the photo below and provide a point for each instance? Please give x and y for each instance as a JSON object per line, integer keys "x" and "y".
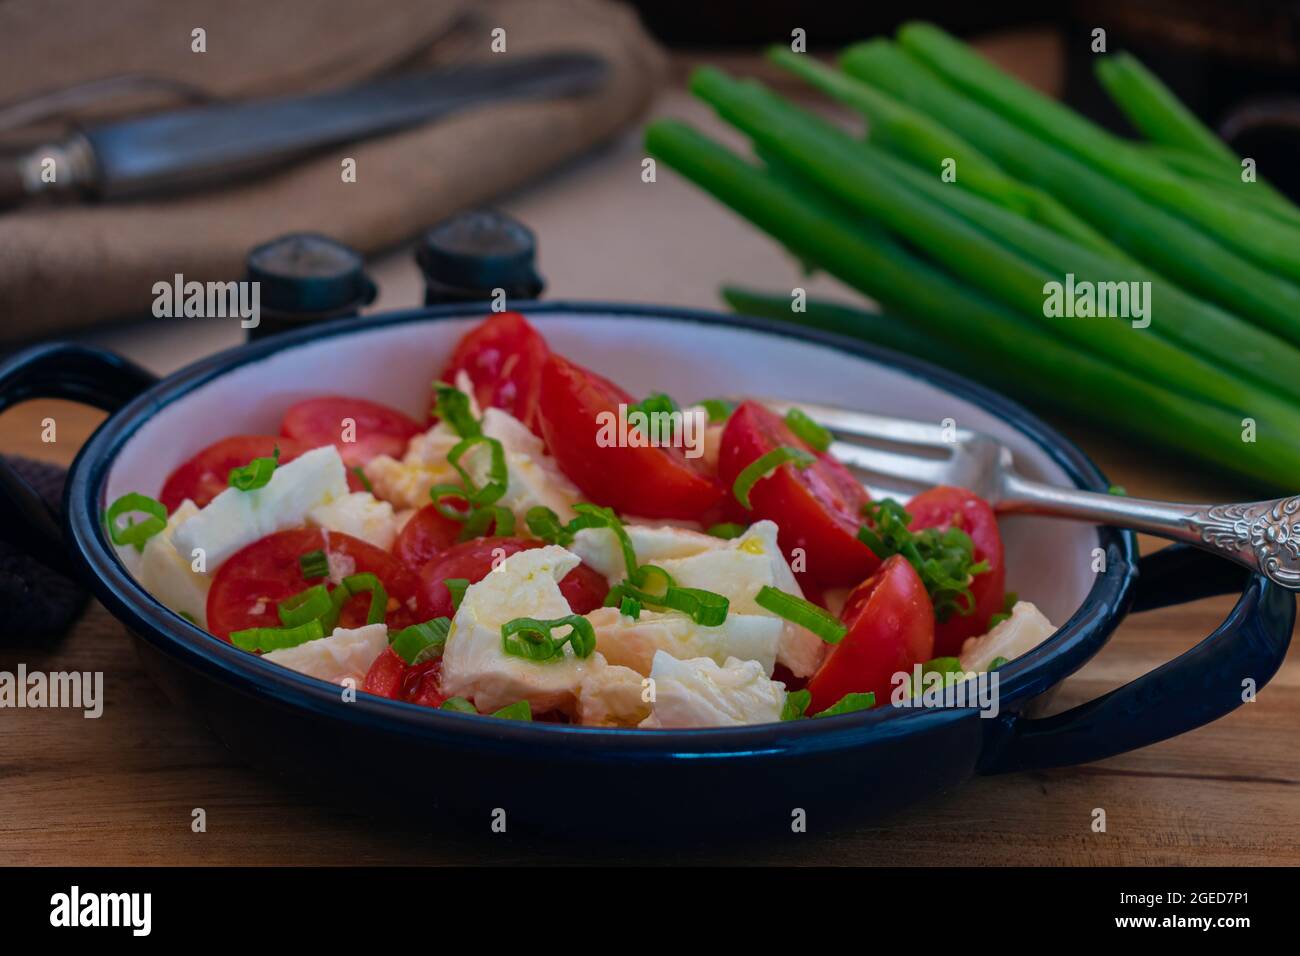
{"x": 546, "y": 546}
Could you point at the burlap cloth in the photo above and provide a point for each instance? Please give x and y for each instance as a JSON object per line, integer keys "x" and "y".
{"x": 67, "y": 266}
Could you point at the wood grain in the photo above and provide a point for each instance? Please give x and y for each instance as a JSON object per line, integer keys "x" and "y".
{"x": 121, "y": 789}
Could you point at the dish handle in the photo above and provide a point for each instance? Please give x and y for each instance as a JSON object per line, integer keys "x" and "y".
{"x": 56, "y": 370}
{"x": 1202, "y": 684}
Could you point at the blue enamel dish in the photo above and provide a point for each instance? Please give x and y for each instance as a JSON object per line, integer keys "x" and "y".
{"x": 392, "y": 758}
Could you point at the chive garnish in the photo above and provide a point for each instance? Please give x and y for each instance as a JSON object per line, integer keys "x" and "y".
{"x": 459, "y": 704}
{"x": 305, "y": 606}
{"x": 277, "y": 638}
{"x": 804, "y": 613}
{"x": 452, "y": 406}
{"x": 135, "y": 533}
{"x": 521, "y": 710}
{"x": 534, "y": 639}
{"x": 718, "y": 409}
{"x": 314, "y": 564}
{"x": 727, "y": 530}
{"x": 420, "y": 642}
{"x": 764, "y": 466}
{"x": 456, "y": 588}
{"x": 944, "y": 558}
{"x": 256, "y": 473}
{"x": 545, "y": 524}
{"x": 815, "y": 435}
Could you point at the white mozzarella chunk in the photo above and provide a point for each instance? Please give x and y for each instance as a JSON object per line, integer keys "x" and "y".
{"x": 534, "y": 477}
{"x": 237, "y": 518}
{"x": 611, "y": 696}
{"x": 405, "y": 486}
{"x": 359, "y": 514}
{"x": 700, "y": 693}
{"x": 634, "y": 643}
{"x": 475, "y": 664}
{"x": 406, "y": 483}
{"x": 344, "y": 654}
{"x": 169, "y": 575}
{"x": 653, "y": 544}
{"x": 737, "y": 569}
{"x": 1019, "y": 634}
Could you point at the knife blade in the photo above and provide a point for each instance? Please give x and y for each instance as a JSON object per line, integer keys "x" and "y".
{"x": 203, "y": 146}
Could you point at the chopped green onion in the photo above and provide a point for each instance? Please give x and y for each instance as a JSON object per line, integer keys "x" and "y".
{"x": 656, "y": 404}
{"x": 501, "y": 520}
{"x": 652, "y": 581}
{"x": 944, "y": 558}
{"x": 727, "y": 530}
{"x": 498, "y": 476}
{"x": 314, "y": 564}
{"x": 531, "y": 638}
{"x": 949, "y": 667}
{"x": 849, "y": 703}
{"x": 135, "y": 533}
{"x": 718, "y": 409}
{"x": 256, "y": 473}
{"x": 189, "y": 617}
{"x": 456, "y": 587}
{"x": 796, "y": 704}
{"x": 629, "y": 607}
{"x": 304, "y": 606}
{"x": 997, "y": 662}
{"x": 359, "y": 584}
{"x": 517, "y": 711}
{"x": 1008, "y": 604}
{"x": 815, "y": 435}
{"x": 438, "y": 492}
{"x": 705, "y": 608}
{"x": 804, "y": 613}
{"x": 545, "y": 524}
{"x": 764, "y": 466}
{"x": 594, "y": 516}
{"x": 419, "y": 642}
{"x": 361, "y": 477}
{"x": 452, "y": 406}
{"x": 459, "y": 704}
{"x": 277, "y": 638}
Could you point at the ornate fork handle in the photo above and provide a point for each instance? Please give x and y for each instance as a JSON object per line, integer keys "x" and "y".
{"x": 1264, "y": 536}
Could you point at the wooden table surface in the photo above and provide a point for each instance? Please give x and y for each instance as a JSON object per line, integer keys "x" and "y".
{"x": 121, "y": 789}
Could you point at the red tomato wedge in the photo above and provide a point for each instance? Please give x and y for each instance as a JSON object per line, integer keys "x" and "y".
{"x": 207, "y": 474}
{"x": 425, "y": 535}
{"x": 651, "y": 482}
{"x": 891, "y": 628}
{"x": 583, "y": 587}
{"x": 384, "y": 679}
{"x": 379, "y": 430}
{"x": 817, "y": 509}
{"x": 948, "y": 507}
{"x": 503, "y": 357}
{"x": 390, "y": 676}
{"x": 246, "y": 589}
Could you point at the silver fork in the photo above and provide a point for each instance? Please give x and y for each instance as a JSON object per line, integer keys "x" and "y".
{"x": 1264, "y": 536}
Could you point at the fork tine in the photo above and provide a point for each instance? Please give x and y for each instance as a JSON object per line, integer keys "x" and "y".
{"x": 922, "y": 471}
{"x": 880, "y": 493}
{"x": 902, "y": 430}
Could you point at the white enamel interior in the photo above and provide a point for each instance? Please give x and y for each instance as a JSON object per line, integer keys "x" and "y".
{"x": 1048, "y": 561}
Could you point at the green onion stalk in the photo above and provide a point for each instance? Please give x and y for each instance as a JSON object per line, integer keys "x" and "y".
{"x": 1162, "y": 240}
{"x": 1258, "y": 236}
{"x": 989, "y": 333}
